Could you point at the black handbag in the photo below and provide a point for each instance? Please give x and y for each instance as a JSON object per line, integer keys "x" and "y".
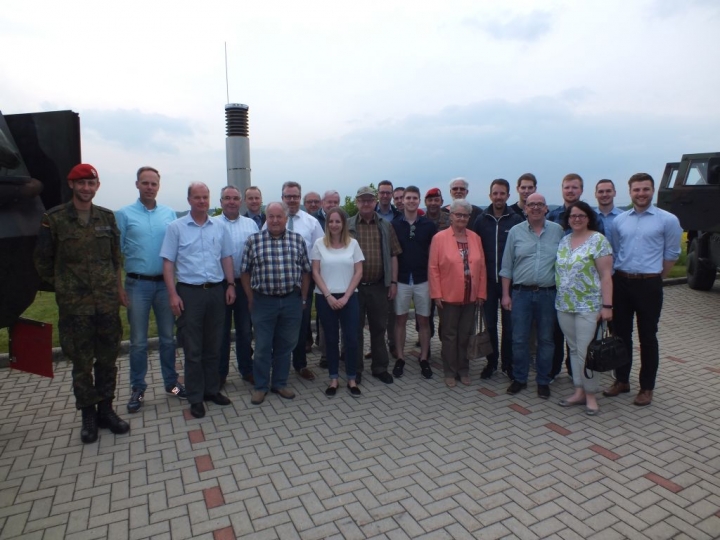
{"x": 606, "y": 352}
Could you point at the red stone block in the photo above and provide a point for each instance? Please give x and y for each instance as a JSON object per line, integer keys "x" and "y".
{"x": 519, "y": 408}
{"x": 605, "y": 452}
{"x": 713, "y": 369}
{"x": 213, "y": 497}
{"x": 224, "y": 534}
{"x": 664, "y": 482}
{"x": 487, "y": 392}
{"x": 676, "y": 359}
{"x": 558, "y": 429}
{"x": 196, "y": 436}
{"x": 204, "y": 463}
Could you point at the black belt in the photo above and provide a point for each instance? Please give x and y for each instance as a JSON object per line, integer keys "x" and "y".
{"x": 208, "y": 285}
{"x": 144, "y": 278}
{"x": 532, "y": 288}
{"x": 368, "y": 283}
{"x": 628, "y": 275}
{"x": 296, "y": 290}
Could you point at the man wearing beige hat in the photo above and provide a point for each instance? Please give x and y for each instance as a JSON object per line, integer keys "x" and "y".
{"x": 380, "y": 246}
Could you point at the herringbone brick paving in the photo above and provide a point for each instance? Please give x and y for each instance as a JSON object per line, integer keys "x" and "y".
{"x": 410, "y": 460}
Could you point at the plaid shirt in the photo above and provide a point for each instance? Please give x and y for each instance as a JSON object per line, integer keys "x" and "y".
{"x": 275, "y": 265}
{"x": 368, "y": 236}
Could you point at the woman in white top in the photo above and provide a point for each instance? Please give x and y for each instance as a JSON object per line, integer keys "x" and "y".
{"x": 337, "y": 270}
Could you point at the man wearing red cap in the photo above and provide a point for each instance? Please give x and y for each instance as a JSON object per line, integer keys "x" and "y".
{"x": 78, "y": 253}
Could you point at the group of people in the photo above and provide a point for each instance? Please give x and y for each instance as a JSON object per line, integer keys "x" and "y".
{"x": 550, "y": 277}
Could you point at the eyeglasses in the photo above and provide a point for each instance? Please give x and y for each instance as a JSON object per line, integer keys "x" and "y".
{"x": 458, "y": 189}
{"x": 291, "y": 197}
{"x": 312, "y": 201}
{"x": 461, "y": 216}
{"x": 577, "y": 217}
{"x": 535, "y": 205}
{"x": 412, "y": 231}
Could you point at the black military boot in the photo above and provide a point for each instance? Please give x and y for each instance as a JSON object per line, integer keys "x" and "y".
{"x": 89, "y": 432}
{"x": 108, "y": 418}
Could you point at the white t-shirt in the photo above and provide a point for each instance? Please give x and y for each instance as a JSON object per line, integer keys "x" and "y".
{"x": 337, "y": 266}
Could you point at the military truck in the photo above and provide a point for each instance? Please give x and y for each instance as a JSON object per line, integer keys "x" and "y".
{"x": 690, "y": 189}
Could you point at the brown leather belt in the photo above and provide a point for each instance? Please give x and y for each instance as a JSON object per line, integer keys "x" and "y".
{"x": 628, "y": 275}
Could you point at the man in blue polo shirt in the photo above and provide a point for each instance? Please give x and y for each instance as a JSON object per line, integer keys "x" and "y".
{"x": 142, "y": 229}
{"x": 415, "y": 233}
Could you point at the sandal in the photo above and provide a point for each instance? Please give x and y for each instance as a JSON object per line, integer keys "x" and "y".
{"x": 450, "y": 382}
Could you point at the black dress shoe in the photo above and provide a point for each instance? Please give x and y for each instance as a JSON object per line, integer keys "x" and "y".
{"x": 487, "y": 372}
{"x": 384, "y": 377}
{"x": 399, "y": 368}
{"x": 543, "y": 391}
{"x": 515, "y": 387}
{"x": 425, "y": 369}
{"x": 197, "y": 410}
{"x": 218, "y": 399}
{"x": 354, "y": 390}
{"x": 330, "y": 391}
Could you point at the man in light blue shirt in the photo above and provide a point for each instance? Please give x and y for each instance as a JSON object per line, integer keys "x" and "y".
{"x": 646, "y": 244}
{"x": 606, "y": 209}
{"x": 239, "y": 228}
{"x": 528, "y": 292}
{"x": 142, "y": 230}
{"x": 199, "y": 251}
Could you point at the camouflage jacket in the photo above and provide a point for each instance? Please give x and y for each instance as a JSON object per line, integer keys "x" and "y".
{"x": 80, "y": 260}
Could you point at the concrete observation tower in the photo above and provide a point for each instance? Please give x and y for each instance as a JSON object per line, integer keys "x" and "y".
{"x": 237, "y": 147}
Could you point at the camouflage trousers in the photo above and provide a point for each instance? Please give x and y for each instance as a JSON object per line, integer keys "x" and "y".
{"x": 92, "y": 343}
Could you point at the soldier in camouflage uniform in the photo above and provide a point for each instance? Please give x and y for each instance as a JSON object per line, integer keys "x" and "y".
{"x": 78, "y": 253}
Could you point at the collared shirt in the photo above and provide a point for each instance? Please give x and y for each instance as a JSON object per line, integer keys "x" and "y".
{"x": 239, "y": 230}
{"x": 196, "y": 250}
{"x": 368, "y": 236}
{"x": 391, "y": 214}
{"x": 415, "y": 240}
{"x": 529, "y": 259}
{"x": 259, "y": 219}
{"x": 141, "y": 235}
{"x": 607, "y": 219}
{"x": 306, "y": 226}
{"x": 641, "y": 241}
{"x": 275, "y": 265}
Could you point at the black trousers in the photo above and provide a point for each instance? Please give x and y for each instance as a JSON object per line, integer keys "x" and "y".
{"x": 490, "y": 309}
{"x": 641, "y": 298}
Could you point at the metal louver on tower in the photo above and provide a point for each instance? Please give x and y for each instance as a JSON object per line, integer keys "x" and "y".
{"x": 237, "y": 146}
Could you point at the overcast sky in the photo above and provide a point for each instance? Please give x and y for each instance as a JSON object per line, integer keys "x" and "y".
{"x": 344, "y": 93}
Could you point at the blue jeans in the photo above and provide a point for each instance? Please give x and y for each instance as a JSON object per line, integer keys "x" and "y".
{"x": 331, "y": 320}
{"x": 243, "y": 335}
{"x": 529, "y": 306}
{"x": 299, "y": 355}
{"x": 143, "y": 295}
{"x": 276, "y": 321}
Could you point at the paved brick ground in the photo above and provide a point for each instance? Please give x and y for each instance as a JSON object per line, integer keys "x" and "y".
{"x": 412, "y": 460}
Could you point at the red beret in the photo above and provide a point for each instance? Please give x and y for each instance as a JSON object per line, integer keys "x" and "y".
{"x": 82, "y": 171}
{"x": 433, "y": 192}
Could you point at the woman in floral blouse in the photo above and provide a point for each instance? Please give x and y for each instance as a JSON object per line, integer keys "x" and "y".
{"x": 583, "y": 275}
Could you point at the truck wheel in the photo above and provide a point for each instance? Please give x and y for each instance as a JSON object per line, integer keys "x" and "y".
{"x": 700, "y": 272}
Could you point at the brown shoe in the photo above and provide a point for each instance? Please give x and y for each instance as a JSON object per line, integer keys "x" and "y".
{"x": 306, "y": 374}
{"x": 284, "y": 393}
{"x": 368, "y": 355}
{"x": 257, "y": 397}
{"x": 249, "y": 378}
{"x": 616, "y": 389}
{"x": 643, "y": 398}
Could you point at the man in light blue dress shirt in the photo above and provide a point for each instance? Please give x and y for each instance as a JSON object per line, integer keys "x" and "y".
{"x": 239, "y": 228}
{"x": 198, "y": 250}
{"x": 646, "y": 244}
{"x": 606, "y": 209}
{"x": 142, "y": 230}
{"x": 528, "y": 292}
